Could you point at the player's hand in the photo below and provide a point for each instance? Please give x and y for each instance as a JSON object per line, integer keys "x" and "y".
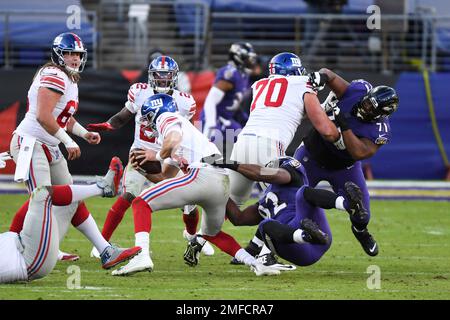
{"x": 330, "y": 102}
{"x": 182, "y": 162}
{"x": 73, "y": 152}
{"x": 4, "y": 156}
{"x": 317, "y": 80}
{"x": 98, "y": 127}
{"x": 142, "y": 156}
{"x": 92, "y": 138}
{"x": 340, "y": 120}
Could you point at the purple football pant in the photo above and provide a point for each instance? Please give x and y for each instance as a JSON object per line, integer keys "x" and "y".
{"x": 300, "y": 254}
{"x": 337, "y": 179}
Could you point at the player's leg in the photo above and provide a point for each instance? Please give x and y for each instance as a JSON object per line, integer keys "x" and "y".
{"x": 339, "y": 181}
{"x": 168, "y": 194}
{"x": 191, "y": 217}
{"x": 40, "y": 235}
{"x": 303, "y": 240}
{"x": 39, "y": 175}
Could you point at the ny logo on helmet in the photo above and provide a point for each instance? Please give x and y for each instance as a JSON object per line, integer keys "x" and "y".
{"x": 296, "y": 62}
{"x": 157, "y": 103}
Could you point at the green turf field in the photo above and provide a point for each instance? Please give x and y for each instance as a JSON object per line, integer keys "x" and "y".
{"x": 414, "y": 261}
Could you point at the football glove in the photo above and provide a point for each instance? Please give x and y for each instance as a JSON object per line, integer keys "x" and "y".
{"x": 317, "y": 80}
{"x": 4, "y": 156}
{"x": 98, "y": 127}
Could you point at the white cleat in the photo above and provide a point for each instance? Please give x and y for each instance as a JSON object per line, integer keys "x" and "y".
{"x": 94, "y": 253}
{"x": 207, "y": 249}
{"x": 261, "y": 270}
{"x": 141, "y": 262}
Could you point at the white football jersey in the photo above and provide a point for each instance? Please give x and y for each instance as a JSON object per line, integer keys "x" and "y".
{"x": 277, "y": 108}
{"x": 55, "y": 79}
{"x": 12, "y": 263}
{"x": 145, "y": 138}
{"x": 194, "y": 145}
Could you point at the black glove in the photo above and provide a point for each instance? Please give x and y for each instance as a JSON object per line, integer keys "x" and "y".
{"x": 340, "y": 120}
{"x": 317, "y": 80}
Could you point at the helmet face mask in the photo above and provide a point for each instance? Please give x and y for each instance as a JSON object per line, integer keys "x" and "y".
{"x": 163, "y": 74}
{"x": 243, "y": 56}
{"x": 286, "y": 64}
{"x": 68, "y": 43}
{"x": 379, "y": 102}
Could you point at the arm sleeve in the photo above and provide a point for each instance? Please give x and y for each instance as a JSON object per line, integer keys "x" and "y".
{"x": 130, "y": 104}
{"x": 167, "y": 123}
{"x": 214, "y": 97}
{"x": 296, "y": 176}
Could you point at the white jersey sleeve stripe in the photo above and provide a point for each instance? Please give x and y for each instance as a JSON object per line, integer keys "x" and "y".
{"x": 166, "y": 122}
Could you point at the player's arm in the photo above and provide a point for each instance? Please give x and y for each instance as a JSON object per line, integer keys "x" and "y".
{"x": 74, "y": 127}
{"x": 170, "y": 144}
{"x": 359, "y": 148}
{"x": 336, "y": 83}
{"x": 319, "y": 119}
{"x": 248, "y": 217}
{"x": 46, "y": 103}
{"x": 117, "y": 121}
{"x": 215, "y": 95}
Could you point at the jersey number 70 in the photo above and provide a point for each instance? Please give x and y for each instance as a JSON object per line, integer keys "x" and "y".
{"x": 270, "y": 100}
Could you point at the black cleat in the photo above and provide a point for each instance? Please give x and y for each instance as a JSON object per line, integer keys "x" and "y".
{"x": 354, "y": 197}
{"x": 192, "y": 252}
{"x": 368, "y": 243}
{"x": 312, "y": 233}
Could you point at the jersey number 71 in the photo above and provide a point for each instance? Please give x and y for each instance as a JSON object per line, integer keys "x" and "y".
{"x": 270, "y": 100}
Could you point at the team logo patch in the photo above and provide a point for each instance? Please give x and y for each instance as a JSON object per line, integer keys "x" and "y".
{"x": 295, "y": 163}
{"x": 157, "y": 103}
{"x": 381, "y": 140}
{"x": 228, "y": 74}
{"x": 296, "y": 62}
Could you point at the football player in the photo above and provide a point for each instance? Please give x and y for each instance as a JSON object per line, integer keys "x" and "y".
{"x": 221, "y": 111}
{"x": 33, "y": 253}
{"x": 162, "y": 78}
{"x": 290, "y": 218}
{"x": 280, "y": 102}
{"x": 203, "y": 184}
{"x": 53, "y": 101}
{"x": 362, "y": 113}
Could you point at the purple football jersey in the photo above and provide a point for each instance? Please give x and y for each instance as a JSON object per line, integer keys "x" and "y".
{"x": 378, "y": 132}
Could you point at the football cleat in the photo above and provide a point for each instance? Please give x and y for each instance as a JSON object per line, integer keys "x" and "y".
{"x": 112, "y": 255}
{"x": 95, "y": 253}
{"x": 192, "y": 253}
{"x": 312, "y": 233}
{"x": 269, "y": 260}
{"x": 141, "y": 262}
{"x": 366, "y": 240}
{"x": 252, "y": 248}
{"x": 63, "y": 256}
{"x": 261, "y": 270}
{"x": 207, "y": 249}
{"x": 354, "y": 198}
{"x": 110, "y": 182}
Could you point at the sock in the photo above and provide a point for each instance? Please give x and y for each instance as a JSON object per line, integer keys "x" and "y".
{"x": 80, "y": 215}
{"x": 114, "y": 217}
{"x": 19, "y": 217}
{"x": 142, "y": 239}
{"x": 257, "y": 241}
{"x": 191, "y": 221}
{"x": 61, "y": 195}
{"x": 341, "y": 203}
{"x": 90, "y": 230}
{"x": 224, "y": 242}
{"x": 245, "y": 257}
{"x": 264, "y": 250}
{"x": 82, "y": 192}
{"x": 142, "y": 214}
{"x": 298, "y": 236}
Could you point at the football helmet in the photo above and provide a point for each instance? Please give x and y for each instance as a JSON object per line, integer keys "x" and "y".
{"x": 163, "y": 74}
{"x": 378, "y": 103}
{"x": 286, "y": 64}
{"x": 243, "y": 56}
{"x": 281, "y": 161}
{"x": 155, "y": 106}
{"x": 68, "y": 42}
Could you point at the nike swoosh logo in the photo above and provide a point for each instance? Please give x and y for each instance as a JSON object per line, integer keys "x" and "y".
{"x": 373, "y": 248}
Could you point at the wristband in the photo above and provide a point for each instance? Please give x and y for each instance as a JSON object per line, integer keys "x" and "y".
{"x": 158, "y": 156}
{"x": 339, "y": 143}
{"x": 79, "y": 130}
{"x": 62, "y": 136}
